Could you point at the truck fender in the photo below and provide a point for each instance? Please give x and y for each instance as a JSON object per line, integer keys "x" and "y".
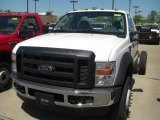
{"x": 125, "y": 63}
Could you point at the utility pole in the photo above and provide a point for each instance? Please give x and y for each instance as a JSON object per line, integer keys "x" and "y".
{"x": 27, "y": 7}
{"x": 49, "y": 6}
{"x": 130, "y": 5}
{"x": 112, "y": 4}
{"x": 135, "y": 7}
{"x": 73, "y": 1}
{"x": 139, "y": 12}
{"x": 139, "y": 15}
{"x": 35, "y": 4}
{"x": 159, "y": 20}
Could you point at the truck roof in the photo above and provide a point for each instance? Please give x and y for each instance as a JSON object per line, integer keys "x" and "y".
{"x": 98, "y": 10}
{"x": 18, "y": 14}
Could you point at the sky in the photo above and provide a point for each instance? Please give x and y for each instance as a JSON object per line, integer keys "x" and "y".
{"x": 60, "y": 7}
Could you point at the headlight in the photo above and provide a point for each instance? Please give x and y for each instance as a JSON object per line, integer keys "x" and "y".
{"x": 105, "y": 73}
{"x": 14, "y": 67}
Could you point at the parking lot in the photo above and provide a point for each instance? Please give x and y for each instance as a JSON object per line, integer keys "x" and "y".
{"x": 145, "y": 100}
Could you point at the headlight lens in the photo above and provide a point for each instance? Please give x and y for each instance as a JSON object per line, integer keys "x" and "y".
{"x": 105, "y": 73}
{"x": 14, "y": 67}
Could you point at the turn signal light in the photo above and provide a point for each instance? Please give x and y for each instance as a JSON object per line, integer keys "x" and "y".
{"x": 103, "y": 72}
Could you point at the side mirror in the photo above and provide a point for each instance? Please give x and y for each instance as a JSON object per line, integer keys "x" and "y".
{"x": 45, "y": 29}
{"x": 133, "y": 36}
{"x": 26, "y": 33}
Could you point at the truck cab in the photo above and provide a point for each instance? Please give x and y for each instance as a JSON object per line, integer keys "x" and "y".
{"x": 14, "y": 28}
{"x": 85, "y": 64}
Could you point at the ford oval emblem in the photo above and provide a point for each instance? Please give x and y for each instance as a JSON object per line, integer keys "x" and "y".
{"x": 46, "y": 68}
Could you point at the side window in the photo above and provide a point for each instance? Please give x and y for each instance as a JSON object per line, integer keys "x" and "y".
{"x": 30, "y": 22}
{"x": 131, "y": 24}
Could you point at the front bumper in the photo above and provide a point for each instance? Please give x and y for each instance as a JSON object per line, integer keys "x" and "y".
{"x": 153, "y": 40}
{"x": 68, "y": 97}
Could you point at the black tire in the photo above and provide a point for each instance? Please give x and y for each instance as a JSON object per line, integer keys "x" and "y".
{"x": 136, "y": 64}
{"x": 120, "y": 110}
{"x": 142, "y": 63}
{"x": 5, "y": 80}
{"x": 156, "y": 42}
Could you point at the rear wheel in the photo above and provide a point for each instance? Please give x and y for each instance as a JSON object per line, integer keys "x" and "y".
{"x": 5, "y": 81}
{"x": 120, "y": 110}
{"x": 142, "y": 63}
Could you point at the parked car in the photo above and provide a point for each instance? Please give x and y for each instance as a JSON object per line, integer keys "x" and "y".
{"x": 154, "y": 28}
{"x": 147, "y": 34}
{"x": 14, "y": 28}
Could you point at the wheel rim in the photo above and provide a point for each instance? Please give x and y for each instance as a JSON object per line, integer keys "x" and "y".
{"x": 4, "y": 76}
{"x": 128, "y": 99}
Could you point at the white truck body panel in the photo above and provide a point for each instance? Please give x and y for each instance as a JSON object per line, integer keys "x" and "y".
{"x": 100, "y": 44}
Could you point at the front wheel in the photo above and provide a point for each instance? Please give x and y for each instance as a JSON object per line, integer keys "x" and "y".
{"x": 5, "y": 81}
{"x": 120, "y": 110}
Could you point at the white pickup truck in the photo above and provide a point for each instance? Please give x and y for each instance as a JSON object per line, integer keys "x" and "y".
{"x": 85, "y": 64}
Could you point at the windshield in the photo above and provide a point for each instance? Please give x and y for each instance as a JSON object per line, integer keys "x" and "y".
{"x": 93, "y": 22}
{"x": 8, "y": 24}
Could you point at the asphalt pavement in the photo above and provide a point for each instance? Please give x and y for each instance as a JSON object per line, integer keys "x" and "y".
{"x": 145, "y": 99}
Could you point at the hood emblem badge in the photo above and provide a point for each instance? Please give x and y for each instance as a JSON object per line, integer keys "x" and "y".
{"x": 46, "y": 68}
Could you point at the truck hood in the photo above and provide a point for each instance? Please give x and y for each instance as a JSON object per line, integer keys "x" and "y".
{"x": 100, "y": 44}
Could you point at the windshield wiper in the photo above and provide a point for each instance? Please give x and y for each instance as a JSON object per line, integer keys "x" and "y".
{"x": 87, "y": 31}
{"x": 74, "y": 31}
{"x": 59, "y": 31}
{"x": 118, "y": 34}
{"x": 99, "y": 32}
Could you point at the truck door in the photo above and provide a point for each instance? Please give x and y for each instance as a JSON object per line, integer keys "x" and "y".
{"x": 29, "y": 28}
{"x": 9, "y": 31}
{"x": 134, "y": 44}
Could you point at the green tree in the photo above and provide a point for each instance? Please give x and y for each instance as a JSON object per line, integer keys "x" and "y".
{"x": 152, "y": 17}
{"x": 139, "y": 19}
{"x": 136, "y": 19}
{"x": 158, "y": 19}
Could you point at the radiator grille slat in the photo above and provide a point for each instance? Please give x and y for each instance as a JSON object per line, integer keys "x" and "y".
{"x": 69, "y": 68}
{"x": 34, "y": 71}
{"x": 58, "y": 64}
